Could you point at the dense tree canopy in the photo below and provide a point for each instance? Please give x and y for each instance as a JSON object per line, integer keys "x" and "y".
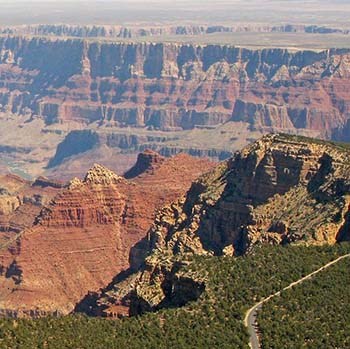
{"x": 216, "y": 319}
{"x": 314, "y": 314}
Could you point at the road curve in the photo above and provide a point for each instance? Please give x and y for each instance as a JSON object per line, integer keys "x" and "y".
{"x": 250, "y": 317}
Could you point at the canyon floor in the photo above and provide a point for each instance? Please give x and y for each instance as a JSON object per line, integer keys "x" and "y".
{"x": 27, "y": 145}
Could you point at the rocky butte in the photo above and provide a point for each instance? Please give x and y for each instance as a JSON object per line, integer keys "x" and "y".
{"x": 80, "y": 239}
{"x": 279, "y": 190}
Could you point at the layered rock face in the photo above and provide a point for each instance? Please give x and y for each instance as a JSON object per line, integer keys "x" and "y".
{"x": 21, "y": 201}
{"x": 173, "y": 86}
{"x": 279, "y": 190}
{"x": 81, "y": 240}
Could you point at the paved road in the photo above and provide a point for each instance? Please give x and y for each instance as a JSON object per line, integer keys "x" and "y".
{"x": 250, "y": 317}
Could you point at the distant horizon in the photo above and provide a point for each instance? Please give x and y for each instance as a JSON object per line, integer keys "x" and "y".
{"x": 318, "y": 12}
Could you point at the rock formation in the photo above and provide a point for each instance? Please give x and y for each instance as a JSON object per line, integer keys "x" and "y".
{"x": 148, "y": 161}
{"x": 280, "y": 190}
{"x": 174, "y": 86}
{"x": 81, "y": 147}
{"x": 21, "y": 201}
{"x": 103, "y": 99}
{"x": 80, "y": 240}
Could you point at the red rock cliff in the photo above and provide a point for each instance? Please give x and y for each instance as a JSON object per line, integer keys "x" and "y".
{"x": 81, "y": 240}
{"x": 173, "y": 86}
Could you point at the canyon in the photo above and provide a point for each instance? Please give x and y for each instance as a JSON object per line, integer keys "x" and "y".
{"x": 281, "y": 190}
{"x": 124, "y": 97}
{"x": 61, "y": 241}
{"x": 173, "y": 86}
{"x": 174, "y": 174}
{"x": 114, "y": 246}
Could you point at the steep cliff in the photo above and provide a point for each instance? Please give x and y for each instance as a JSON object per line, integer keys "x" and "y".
{"x": 76, "y": 142}
{"x": 82, "y": 238}
{"x": 174, "y": 86}
{"x": 280, "y": 190}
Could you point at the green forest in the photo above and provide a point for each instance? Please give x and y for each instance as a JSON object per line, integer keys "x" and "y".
{"x": 314, "y": 314}
{"x": 216, "y": 319}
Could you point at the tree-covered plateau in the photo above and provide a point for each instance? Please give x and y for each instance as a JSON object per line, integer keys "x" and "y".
{"x": 314, "y": 314}
{"x": 216, "y": 320}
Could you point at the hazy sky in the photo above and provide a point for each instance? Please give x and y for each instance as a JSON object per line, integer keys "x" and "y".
{"x": 324, "y": 12}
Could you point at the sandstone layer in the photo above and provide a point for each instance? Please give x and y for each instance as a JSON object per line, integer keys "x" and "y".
{"x": 81, "y": 239}
{"x": 174, "y": 86}
{"x": 103, "y": 99}
{"x": 280, "y": 190}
